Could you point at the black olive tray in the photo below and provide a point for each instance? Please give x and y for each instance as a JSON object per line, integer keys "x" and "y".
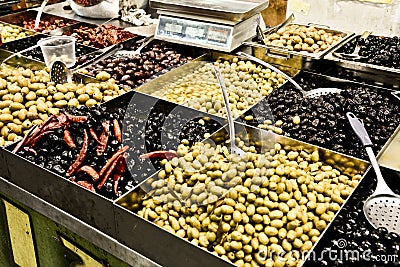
{"x": 131, "y": 227}
{"x": 19, "y": 17}
{"x": 93, "y": 208}
{"x": 36, "y": 53}
{"x": 381, "y": 124}
{"x": 383, "y": 74}
{"x": 351, "y": 235}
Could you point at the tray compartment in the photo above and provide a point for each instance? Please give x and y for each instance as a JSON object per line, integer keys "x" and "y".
{"x": 195, "y": 85}
{"x": 352, "y": 238}
{"x": 323, "y": 121}
{"x": 131, "y": 227}
{"x": 24, "y": 16}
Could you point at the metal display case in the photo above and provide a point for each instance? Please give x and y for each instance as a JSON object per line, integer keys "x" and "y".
{"x": 113, "y": 235}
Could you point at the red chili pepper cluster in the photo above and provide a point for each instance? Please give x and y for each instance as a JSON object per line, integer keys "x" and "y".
{"x": 115, "y": 165}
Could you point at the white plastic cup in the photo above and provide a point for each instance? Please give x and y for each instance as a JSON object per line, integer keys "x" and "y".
{"x": 58, "y": 48}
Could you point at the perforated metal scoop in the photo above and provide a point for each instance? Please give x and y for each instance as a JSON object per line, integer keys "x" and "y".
{"x": 382, "y": 208}
{"x": 315, "y": 93}
{"x": 234, "y": 149}
{"x": 60, "y": 74}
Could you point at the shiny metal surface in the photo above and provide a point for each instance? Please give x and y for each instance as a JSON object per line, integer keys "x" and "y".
{"x": 231, "y": 10}
{"x": 77, "y": 226}
{"x": 389, "y": 155}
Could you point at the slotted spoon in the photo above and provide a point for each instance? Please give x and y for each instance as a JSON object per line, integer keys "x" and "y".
{"x": 234, "y": 149}
{"x": 355, "y": 55}
{"x": 60, "y": 74}
{"x": 382, "y": 208}
{"x": 307, "y": 94}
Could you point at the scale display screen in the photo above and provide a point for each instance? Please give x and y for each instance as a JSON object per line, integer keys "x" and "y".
{"x": 194, "y": 32}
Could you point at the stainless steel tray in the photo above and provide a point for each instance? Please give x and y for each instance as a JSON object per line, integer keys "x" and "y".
{"x": 364, "y": 68}
{"x": 285, "y": 57}
{"x": 131, "y": 227}
{"x": 322, "y": 80}
{"x": 158, "y": 84}
{"x": 232, "y": 10}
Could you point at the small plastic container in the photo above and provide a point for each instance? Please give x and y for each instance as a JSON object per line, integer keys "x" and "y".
{"x": 58, "y": 48}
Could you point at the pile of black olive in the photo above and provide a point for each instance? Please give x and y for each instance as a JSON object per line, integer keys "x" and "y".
{"x": 144, "y": 129}
{"x": 155, "y": 59}
{"x": 323, "y": 120}
{"x": 351, "y": 240}
{"x": 378, "y": 50}
{"x": 36, "y": 53}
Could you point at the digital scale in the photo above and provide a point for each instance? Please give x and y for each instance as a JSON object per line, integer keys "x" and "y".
{"x": 214, "y": 24}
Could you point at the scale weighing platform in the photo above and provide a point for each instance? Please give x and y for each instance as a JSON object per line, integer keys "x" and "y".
{"x": 221, "y": 25}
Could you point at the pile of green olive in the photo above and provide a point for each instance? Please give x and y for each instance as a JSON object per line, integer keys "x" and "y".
{"x": 303, "y": 38}
{"x": 246, "y": 84}
{"x": 263, "y": 209}
{"x": 10, "y": 33}
{"x": 28, "y": 98}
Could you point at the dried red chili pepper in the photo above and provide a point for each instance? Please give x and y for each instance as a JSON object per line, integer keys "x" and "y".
{"x": 94, "y": 135}
{"x": 113, "y": 158}
{"x": 117, "y": 131}
{"x": 34, "y": 141}
{"x": 106, "y": 175}
{"x": 86, "y": 185}
{"x": 119, "y": 172}
{"x": 90, "y": 171}
{"x": 81, "y": 157}
{"x": 29, "y": 149}
{"x": 103, "y": 140}
{"x": 25, "y": 139}
{"x": 108, "y": 168}
{"x": 74, "y": 118}
{"x": 68, "y": 139}
{"x": 159, "y": 155}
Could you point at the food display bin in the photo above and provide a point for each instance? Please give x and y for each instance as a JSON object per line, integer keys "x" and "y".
{"x": 294, "y": 59}
{"x": 47, "y": 219}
